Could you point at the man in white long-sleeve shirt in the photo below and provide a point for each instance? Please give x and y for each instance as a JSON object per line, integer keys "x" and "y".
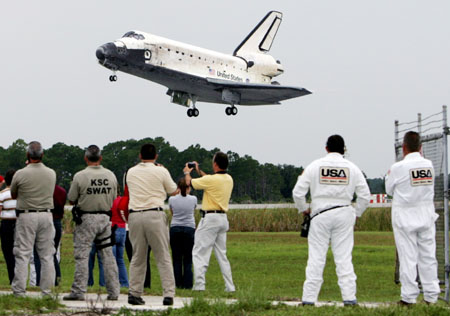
{"x": 332, "y": 181}
{"x": 411, "y": 183}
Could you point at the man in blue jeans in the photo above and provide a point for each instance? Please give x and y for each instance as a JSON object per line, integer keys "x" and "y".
{"x": 118, "y": 249}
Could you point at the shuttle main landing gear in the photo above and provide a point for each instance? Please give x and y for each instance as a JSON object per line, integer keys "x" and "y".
{"x": 231, "y": 110}
{"x": 193, "y": 112}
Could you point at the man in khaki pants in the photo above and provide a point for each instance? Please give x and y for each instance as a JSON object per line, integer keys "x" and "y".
{"x": 212, "y": 230}
{"x": 33, "y": 188}
{"x": 148, "y": 185}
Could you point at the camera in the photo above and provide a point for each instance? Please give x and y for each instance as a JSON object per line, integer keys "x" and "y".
{"x": 191, "y": 165}
{"x": 305, "y": 226}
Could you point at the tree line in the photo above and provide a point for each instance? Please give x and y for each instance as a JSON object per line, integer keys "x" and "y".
{"x": 253, "y": 182}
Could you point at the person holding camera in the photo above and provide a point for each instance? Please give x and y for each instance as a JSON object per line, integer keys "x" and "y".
{"x": 212, "y": 229}
{"x": 182, "y": 232}
{"x": 332, "y": 182}
{"x": 148, "y": 185}
{"x": 93, "y": 191}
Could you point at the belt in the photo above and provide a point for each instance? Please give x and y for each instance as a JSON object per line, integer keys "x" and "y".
{"x": 203, "y": 213}
{"x": 33, "y": 211}
{"x": 146, "y": 210}
{"x": 328, "y": 209}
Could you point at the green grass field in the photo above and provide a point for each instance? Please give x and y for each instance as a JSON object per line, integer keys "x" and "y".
{"x": 271, "y": 266}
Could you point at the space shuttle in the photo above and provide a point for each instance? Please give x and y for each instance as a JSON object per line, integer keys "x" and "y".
{"x": 193, "y": 74}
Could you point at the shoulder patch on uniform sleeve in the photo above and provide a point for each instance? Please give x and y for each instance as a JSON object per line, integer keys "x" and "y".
{"x": 421, "y": 176}
{"x": 334, "y": 175}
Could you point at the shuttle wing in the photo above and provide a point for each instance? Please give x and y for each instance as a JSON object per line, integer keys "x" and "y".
{"x": 258, "y": 94}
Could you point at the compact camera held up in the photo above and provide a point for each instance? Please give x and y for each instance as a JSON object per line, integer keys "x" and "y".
{"x": 191, "y": 164}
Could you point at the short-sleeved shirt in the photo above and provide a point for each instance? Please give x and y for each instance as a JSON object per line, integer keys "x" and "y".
{"x": 8, "y": 204}
{"x": 148, "y": 186}
{"x": 183, "y": 210}
{"x": 34, "y": 186}
{"x": 116, "y": 218}
{"x": 95, "y": 189}
{"x": 217, "y": 191}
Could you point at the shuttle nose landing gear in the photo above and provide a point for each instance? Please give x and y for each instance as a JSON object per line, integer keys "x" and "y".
{"x": 193, "y": 112}
{"x": 113, "y": 77}
{"x": 231, "y": 110}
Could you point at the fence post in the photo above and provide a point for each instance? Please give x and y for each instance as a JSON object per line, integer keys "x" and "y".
{"x": 446, "y": 214}
{"x": 419, "y": 123}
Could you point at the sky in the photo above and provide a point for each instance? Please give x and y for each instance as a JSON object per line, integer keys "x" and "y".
{"x": 367, "y": 63}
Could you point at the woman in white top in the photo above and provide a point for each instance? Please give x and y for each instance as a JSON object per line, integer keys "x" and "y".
{"x": 182, "y": 230}
{"x": 8, "y": 224}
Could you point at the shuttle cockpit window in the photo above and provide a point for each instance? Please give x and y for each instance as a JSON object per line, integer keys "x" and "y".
{"x": 134, "y": 35}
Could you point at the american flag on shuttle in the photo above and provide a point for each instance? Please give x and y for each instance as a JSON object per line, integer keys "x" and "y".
{"x": 212, "y": 72}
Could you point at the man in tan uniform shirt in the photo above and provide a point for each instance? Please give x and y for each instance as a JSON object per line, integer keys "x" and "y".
{"x": 33, "y": 188}
{"x": 148, "y": 185}
{"x": 93, "y": 190}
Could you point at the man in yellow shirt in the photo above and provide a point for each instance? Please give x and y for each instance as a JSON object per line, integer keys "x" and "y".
{"x": 213, "y": 227}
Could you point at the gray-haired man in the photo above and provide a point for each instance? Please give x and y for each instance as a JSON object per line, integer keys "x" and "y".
{"x": 93, "y": 190}
{"x": 33, "y": 188}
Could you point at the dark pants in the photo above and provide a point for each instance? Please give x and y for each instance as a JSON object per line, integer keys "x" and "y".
{"x": 129, "y": 250}
{"x": 101, "y": 274}
{"x": 7, "y": 237}
{"x": 182, "y": 242}
{"x": 37, "y": 262}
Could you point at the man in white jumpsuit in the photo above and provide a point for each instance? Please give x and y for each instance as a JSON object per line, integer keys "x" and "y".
{"x": 411, "y": 183}
{"x": 332, "y": 181}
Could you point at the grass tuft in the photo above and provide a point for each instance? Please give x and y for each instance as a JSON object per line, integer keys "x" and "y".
{"x": 11, "y": 305}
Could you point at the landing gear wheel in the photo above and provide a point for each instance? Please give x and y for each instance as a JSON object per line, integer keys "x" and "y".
{"x": 195, "y": 112}
{"x": 113, "y": 78}
{"x": 190, "y": 112}
{"x": 228, "y": 110}
{"x": 234, "y": 110}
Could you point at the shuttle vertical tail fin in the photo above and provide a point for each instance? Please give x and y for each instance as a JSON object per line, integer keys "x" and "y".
{"x": 261, "y": 38}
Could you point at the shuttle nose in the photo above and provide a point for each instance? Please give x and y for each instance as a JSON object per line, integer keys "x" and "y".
{"x": 100, "y": 53}
{"x": 105, "y": 51}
